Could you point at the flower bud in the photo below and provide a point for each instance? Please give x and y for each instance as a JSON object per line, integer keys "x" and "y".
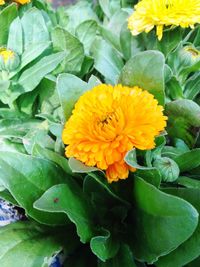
{"x": 189, "y": 55}
{"x": 9, "y": 60}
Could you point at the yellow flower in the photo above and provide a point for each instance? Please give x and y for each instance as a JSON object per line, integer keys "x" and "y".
{"x": 107, "y": 122}
{"x": 2, "y": 2}
{"x": 6, "y": 54}
{"x": 160, "y": 13}
{"x": 22, "y": 2}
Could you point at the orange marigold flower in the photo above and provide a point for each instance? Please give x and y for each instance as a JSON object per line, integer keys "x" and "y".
{"x": 107, "y": 122}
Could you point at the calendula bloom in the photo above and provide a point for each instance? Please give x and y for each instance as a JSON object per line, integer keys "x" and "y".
{"x": 107, "y": 122}
{"x": 6, "y": 54}
{"x": 22, "y": 2}
{"x": 160, "y": 13}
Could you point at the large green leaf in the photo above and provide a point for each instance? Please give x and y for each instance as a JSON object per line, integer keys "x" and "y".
{"x": 192, "y": 86}
{"x": 130, "y": 44}
{"x": 190, "y": 249}
{"x": 146, "y": 70}
{"x": 109, "y": 7}
{"x": 34, "y": 28}
{"x": 39, "y": 151}
{"x": 32, "y": 76}
{"x": 104, "y": 246}
{"x": 189, "y": 160}
{"x": 183, "y": 120}
{"x": 73, "y": 48}
{"x": 7, "y": 15}
{"x": 171, "y": 39}
{"x": 86, "y": 32}
{"x": 188, "y": 182}
{"x": 70, "y": 201}
{"x": 123, "y": 258}
{"x": 32, "y": 52}
{"x": 27, "y": 178}
{"x": 16, "y": 127}
{"x": 24, "y": 244}
{"x": 107, "y": 60}
{"x": 15, "y": 37}
{"x": 70, "y": 88}
{"x": 75, "y": 17}
{"x": 161, "y": 222}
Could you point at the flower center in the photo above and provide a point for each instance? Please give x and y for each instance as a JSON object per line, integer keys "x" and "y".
{"x": 6, "y": 54}
{"x": 108, "y": 118}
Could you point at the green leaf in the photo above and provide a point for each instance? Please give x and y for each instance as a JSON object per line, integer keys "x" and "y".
{"x": 189, "y": 160}
{"x": 34, "y": 28}
{"x": 149, "y": 174}
{"x": 72, "y": 202}
{"x": 109, "y": 7}
{"x": 174, "y": 89}
{"x": 146, "y": 70}
{"x": 86, "y": 33}
{"x": 188, "y": 182}
{"x": 73, "y": 48}
{"x": 15, "y": 37}
{"x": 104, "y": 246}
{"x": 161, "y": 222}
{"x": 5, "y": 194}
{"x": 94, "y": 180}
{"x": 36, "y": 245}
{"x": 179, "y": 257}
{"x": 168, "y": 169}
{"x": 171, "y": 39}
{"x": 38, "y": 136}
{"x": 123, "y": 258}
{"x": 78, "y": 167}
{"x": 183, "y": 120}
{"x": 27, "y": 178}
{"x": 16, "y": 127}
{"x": 31, "y": 77}
{"x": 7, "y": 15}
{"x": 70, "y": 88}
{"x": 32, "y": 52}
{"x": 107, "y": 60}
{"x": 130, "y": 44}
{"x": 39, "y": 151}
{"x": 11, "y": 145}
{"x": 192, "y": 86}
{"x": 75, "y": 17}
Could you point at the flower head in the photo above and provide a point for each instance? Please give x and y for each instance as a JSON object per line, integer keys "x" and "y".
{"x": 22, "y": 2}
{"x": 160, "y": 13}
{"x": 6, "y": 54}
{"x": 107, "y": 122}
{"x": 2, "y": 2}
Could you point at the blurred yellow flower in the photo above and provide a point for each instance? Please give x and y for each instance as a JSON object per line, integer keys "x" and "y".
{"x": 22, "y": 2}
{"x": 6, "y": 54}
{"x": 160, "y": 13}
{"x": 2, "y": 2}
{"x": 107, "y": 122}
